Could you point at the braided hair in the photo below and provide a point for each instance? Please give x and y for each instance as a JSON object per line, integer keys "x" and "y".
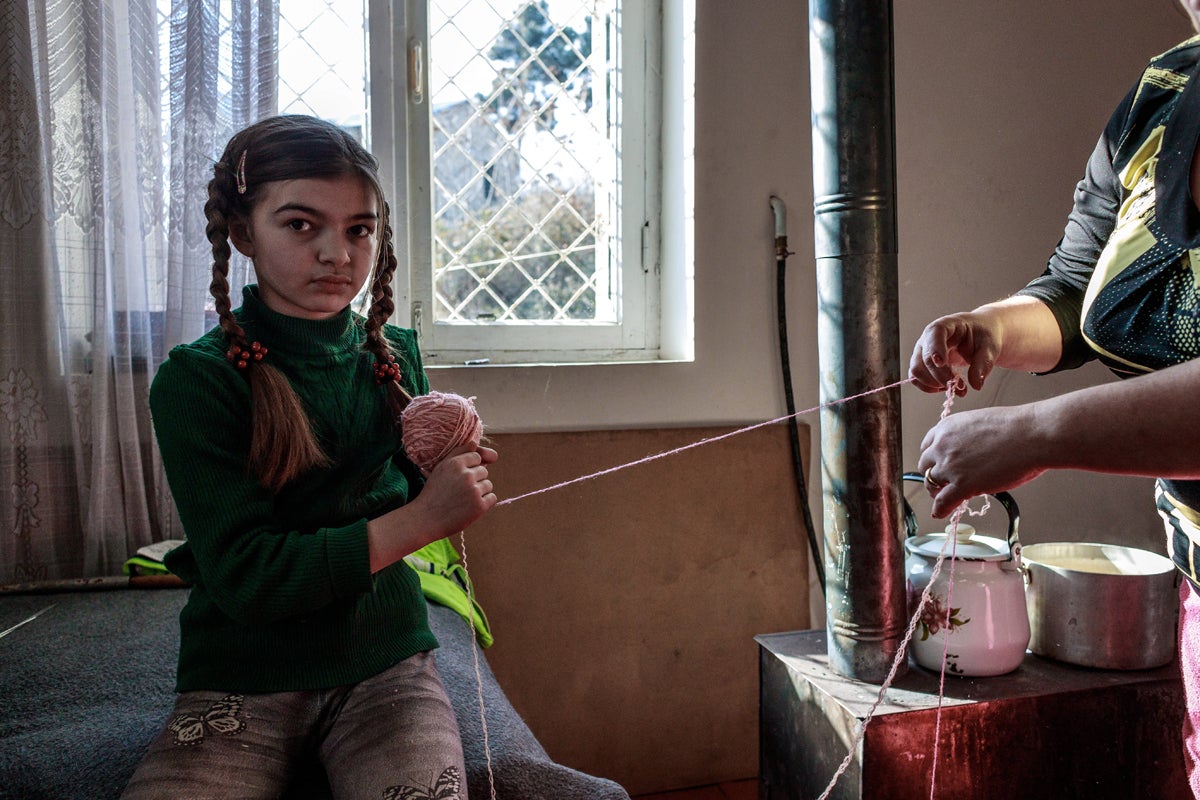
{"x": 282, "y": 443}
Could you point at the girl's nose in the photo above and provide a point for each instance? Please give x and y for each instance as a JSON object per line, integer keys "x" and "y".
{"x": 332, "y": 250}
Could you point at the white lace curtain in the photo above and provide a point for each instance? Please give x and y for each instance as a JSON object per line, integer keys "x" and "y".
{"x": 103, "y": 261}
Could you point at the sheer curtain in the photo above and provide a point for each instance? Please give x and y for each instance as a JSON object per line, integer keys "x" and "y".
{"x": 105, "y": 151}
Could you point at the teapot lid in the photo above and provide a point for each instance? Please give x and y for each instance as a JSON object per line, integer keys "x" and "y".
{"x": 970, "y": 546}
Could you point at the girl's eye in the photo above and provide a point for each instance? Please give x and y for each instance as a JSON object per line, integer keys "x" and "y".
{"x": 361, "y": 231}
{"x": 298, "y": 224}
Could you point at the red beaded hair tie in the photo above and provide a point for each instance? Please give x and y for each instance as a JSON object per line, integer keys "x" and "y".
{"x": 387, "y": 372}
{"x": 240, "y": 356}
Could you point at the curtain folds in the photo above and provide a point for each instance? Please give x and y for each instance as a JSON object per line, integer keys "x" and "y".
{"x": 106, "y": 149}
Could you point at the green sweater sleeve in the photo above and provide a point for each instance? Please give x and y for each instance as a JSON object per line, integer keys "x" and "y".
{"x": 255, "y": 570}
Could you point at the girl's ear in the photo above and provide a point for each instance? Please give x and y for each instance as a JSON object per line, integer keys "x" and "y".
{"x": 239, "y": 234}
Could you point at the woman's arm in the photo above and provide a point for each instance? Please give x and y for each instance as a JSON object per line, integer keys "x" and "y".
{"x": 1018, "y": 332}
{"x": 1036, "y": 330}
{"x": 1139, "y": 426}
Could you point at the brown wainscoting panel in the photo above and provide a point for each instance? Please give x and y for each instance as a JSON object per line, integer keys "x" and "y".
{"x": 625, "y": 607}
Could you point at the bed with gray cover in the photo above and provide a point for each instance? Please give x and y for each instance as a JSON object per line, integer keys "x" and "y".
{"x": 88, "y": 682}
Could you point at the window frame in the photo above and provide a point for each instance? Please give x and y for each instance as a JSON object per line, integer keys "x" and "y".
{"x": 655, "y": 320}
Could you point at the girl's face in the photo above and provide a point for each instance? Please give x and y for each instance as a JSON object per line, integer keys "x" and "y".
{"x": 313, "y": 242}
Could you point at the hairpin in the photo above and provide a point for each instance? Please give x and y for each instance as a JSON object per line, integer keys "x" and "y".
{"x": 241, "y": 174}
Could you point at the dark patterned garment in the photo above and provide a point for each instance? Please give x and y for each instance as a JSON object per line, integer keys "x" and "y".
{"x": 1124, "y": 281}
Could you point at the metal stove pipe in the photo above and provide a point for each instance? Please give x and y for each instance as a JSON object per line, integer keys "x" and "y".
{"x": 853, "y": 124}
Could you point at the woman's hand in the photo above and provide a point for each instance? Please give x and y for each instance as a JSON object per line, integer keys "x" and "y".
{"x": 1017, "y": 333}
{"x": 1138, "y": 426}
{"x": 980, "y": 452}
{"x": 995, "y": 449}
{"x": 949, "y": 343}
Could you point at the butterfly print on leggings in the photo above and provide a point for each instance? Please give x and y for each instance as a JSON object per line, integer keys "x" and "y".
{"x": 446, "y": 788}
{"x": 223, "y": 718}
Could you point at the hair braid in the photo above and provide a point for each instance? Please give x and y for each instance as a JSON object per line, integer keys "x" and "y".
{"x": 217, "y": 231}
{"x": 379, "y": 313}
{"x": 282, "y": 443}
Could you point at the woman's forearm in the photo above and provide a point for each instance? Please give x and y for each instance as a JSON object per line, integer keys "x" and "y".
{"x": 1140, "y": 426}
{"x": 1146, "y": 425}
{"x": 457, "y": 493}
{"x": 1028, "y": 334}
{"x": 395, "y": 535}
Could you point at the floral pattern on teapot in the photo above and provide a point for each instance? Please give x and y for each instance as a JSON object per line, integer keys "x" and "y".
{"x": 934, "y": 617}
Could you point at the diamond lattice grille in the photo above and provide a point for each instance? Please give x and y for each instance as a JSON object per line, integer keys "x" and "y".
{"x": 523, "y": 175}
{"x": 523, "y": 120}
{"x": 323, "y": 63}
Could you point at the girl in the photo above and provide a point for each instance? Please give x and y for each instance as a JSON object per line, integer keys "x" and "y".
{"x": 305, "y": 637}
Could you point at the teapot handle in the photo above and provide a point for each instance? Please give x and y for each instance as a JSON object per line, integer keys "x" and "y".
{"x": 1005, "y": 499}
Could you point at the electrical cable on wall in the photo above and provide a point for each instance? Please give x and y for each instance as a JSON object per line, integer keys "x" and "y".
{"x": 781, "y": 254}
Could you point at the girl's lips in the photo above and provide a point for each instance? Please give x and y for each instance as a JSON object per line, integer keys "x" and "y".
{"x": 332, "y": 283}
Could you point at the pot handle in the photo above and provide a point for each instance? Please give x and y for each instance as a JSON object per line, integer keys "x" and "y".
{"x": 1004, "y": 498}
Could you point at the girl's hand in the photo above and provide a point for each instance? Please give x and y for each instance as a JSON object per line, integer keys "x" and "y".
{"x": 979, "y": 452}
{"x": 458, "y": 491}
{"x": 949, "y": 343}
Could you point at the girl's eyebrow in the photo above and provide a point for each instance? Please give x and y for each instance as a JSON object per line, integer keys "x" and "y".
{"x": 303, "y": 209}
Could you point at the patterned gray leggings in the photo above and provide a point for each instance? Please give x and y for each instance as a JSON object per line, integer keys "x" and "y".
{"x": 390, "y": 736}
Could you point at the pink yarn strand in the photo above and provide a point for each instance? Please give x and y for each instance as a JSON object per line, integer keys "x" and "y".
{"x": 702, "y": 442}
{"x": 487, "y": 748}
{"x": 902, "y": 652}
{"x": 937, "y": 724}
{"x": 951, "y": 390}
{"x": 901, "y": 655}
{"x": 937, "y": 720}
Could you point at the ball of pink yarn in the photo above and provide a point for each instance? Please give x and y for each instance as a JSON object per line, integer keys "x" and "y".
{"x": 436, "y": 424}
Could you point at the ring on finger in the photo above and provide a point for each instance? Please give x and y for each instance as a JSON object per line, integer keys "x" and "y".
{"x": 931, "y": 482}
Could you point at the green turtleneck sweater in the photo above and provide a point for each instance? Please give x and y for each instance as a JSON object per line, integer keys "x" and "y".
{"x": 283, "y": 598}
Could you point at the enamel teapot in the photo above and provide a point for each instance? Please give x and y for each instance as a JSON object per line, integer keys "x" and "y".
{"x": 978, "y": 622}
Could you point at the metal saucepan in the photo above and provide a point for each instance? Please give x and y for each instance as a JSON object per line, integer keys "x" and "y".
{"x": 1101, "y": 605}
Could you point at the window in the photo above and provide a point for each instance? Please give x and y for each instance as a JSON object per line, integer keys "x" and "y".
{"x": 529, "y": 138}
{"x": 521, "y": 144}
{"x": 535, "y": 228}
